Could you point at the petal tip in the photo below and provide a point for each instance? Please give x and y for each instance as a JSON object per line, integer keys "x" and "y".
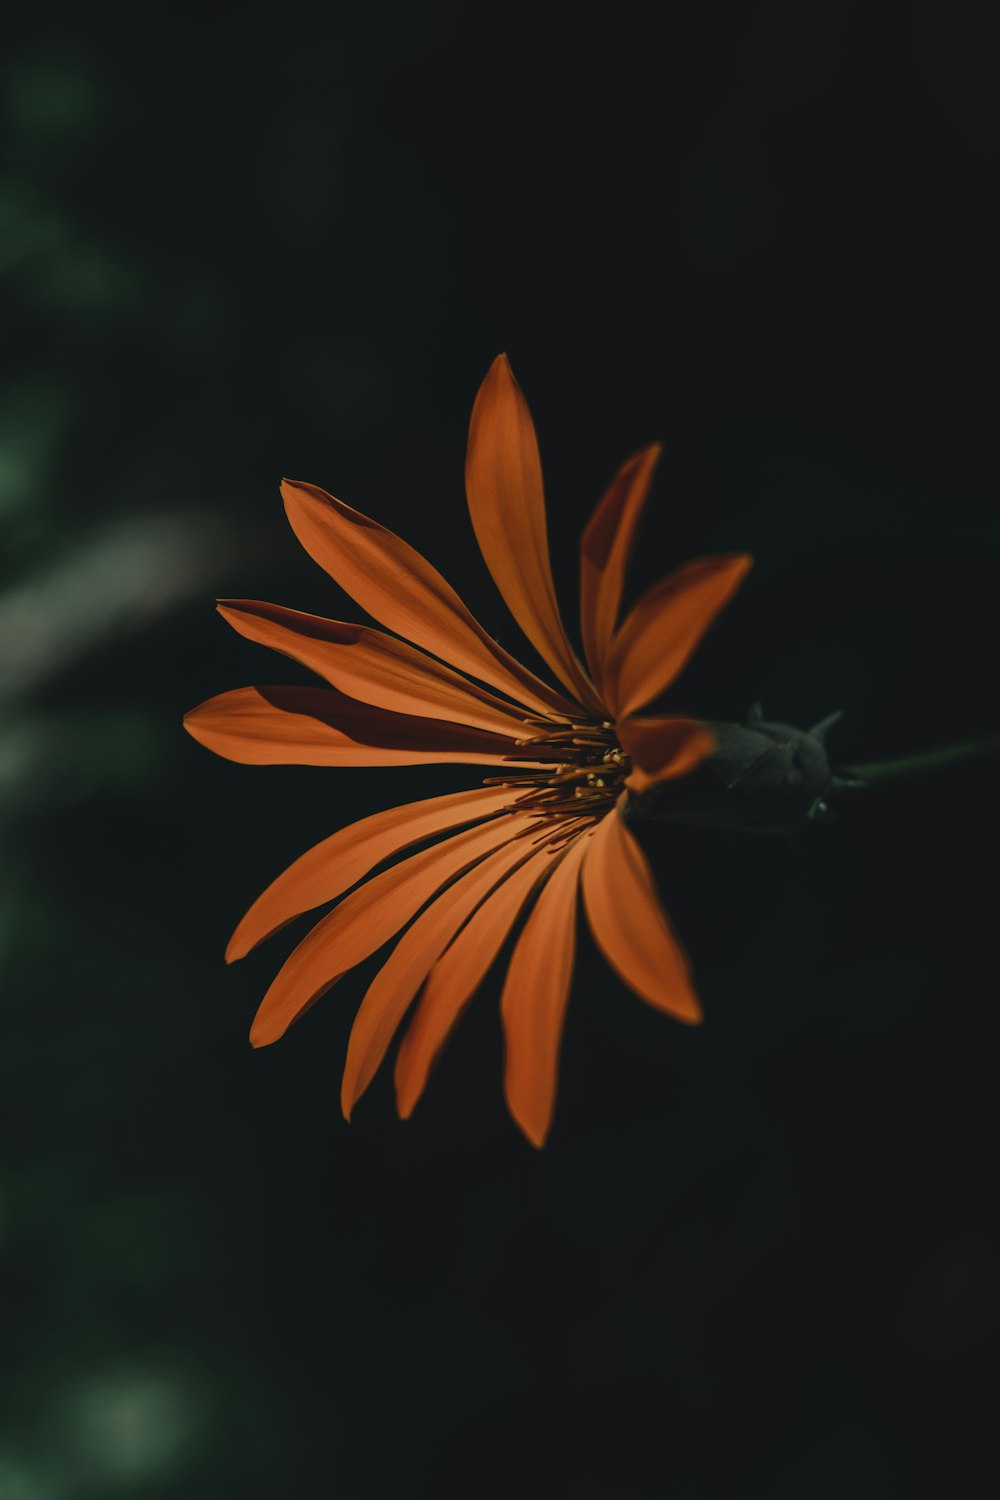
{"x": 500, "y": 373}
{"x": 525, "y": 1117}
{"x": 349, "y": 1094}
{"x": 535, "y": 1136}
{"x": 293, "y": 492}
{"x": 263, "y": 1033}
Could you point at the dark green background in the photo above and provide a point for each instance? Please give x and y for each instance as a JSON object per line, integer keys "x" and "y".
{"x": 242, "y": 240}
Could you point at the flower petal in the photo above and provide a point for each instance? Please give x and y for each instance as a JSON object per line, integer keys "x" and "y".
{"x": 391, "y": 992}
{"x": 604, "y": 553}
{"x": 503, "y": 481}
{"x": 662, "y": 749}
{"x": 533, "y": 1003}
{"x": 371, "y": 666}
{"x": 401, "y": 590}
{"x": 629, "y": 924}
{"x": 457, "y": 975}
{"x": 320, "y": 727}
{"x": 328, "y": 869}
{"x": 663, "y": 629}
{"x": 363, "y": 921}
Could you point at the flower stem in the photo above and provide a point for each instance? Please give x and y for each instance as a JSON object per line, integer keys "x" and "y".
{"x": 924, "y": 763}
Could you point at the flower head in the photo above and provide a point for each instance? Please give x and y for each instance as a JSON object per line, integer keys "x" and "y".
{"x": 543, "y": 831}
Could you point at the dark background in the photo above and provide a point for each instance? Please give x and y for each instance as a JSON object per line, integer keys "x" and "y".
{"x": 242, "y": 240}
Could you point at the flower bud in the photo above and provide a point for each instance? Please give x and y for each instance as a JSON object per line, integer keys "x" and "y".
{"x": 762, "y": 777}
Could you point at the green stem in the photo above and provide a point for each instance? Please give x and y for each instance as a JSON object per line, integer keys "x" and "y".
{"x": 908, "y": 767}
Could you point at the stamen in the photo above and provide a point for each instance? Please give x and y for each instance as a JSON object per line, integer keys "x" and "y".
{"x": 585, "y": 776}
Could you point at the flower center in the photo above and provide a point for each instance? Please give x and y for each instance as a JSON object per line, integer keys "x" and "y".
{"x": 586, "y": 776}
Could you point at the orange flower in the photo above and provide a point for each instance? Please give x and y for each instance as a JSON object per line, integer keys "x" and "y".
{"x": 543, "y": 829}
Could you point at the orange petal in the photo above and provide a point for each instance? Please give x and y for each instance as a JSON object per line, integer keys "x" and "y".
{"x": 503, "y": 480}
{"x": 604, "y": 553}
{"x": 401, "y": 590}
{"x": 320, "y": 727}
{"x": 457, "y": 975}
{"x": 393, "y": 988}
{"x": 663, "y": 629}
{"x": 662, "y": 749}
{"x": 533, "y": 1003}
{"x": 372, "y": 667}
{"x": 629, "y": 924}
{"x": 333, "y": 866}
{"x": 363, "y": 921}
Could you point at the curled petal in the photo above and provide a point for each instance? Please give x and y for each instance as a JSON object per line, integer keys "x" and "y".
{"x": 401, "y": 590}
{"x": 404, "y": 971}
{"x": 363, "y": 921}
{"x": 457, "y": 975}
{"x": 372, "y": 667}
{"x": 662, "y": 749}
{"x": 533, "y": 1003}
{"x": 503, "y": 480}
{"x": 321, "y": 727}
{"x": 604, "y": 553}
{"x": 328, "y": 869}
{"x": 629, "y": 924}
{"x": 663, "y": 629}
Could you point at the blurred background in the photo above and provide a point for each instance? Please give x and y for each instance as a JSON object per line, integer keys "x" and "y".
{"x": 244, "y": 240}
